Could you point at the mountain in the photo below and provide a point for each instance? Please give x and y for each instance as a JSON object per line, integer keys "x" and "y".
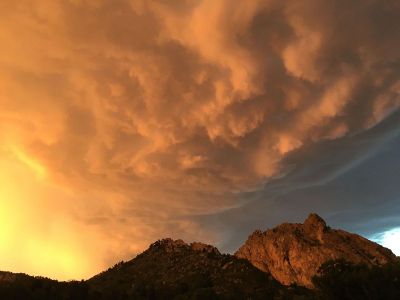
{"x": 293, "y": 253}
{"x": 290, "y": 262}
{"x": 173, "y": 269}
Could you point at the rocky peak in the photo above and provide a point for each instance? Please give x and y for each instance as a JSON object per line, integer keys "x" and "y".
{"x": 197, "y": 246}
{"x": 169, "y": 245}
{"x": 315, "y": 226}
{"x": 293, "y": 253}
{"x": 315, "y": 221}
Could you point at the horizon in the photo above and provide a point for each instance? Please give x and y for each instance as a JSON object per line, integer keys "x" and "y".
{"x": 390, "y": 240}
{"x": 125, "y": 122}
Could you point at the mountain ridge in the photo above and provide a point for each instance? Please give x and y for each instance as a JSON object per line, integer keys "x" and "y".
{"x": 306, "y": 260}
{"x": 293, "y": 252}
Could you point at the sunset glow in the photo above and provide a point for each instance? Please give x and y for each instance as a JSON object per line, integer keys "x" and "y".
{"x": 32, "y": 238}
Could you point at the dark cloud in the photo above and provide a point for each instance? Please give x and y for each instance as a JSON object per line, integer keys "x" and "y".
{"x": 352, "y": 182}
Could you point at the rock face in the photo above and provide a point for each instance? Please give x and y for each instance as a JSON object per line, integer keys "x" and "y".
{"x": 293, "y": 253}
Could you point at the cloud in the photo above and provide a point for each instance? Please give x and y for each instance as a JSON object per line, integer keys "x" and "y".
{"x": 176, "y": 108}
{"x": 350, "y": 181}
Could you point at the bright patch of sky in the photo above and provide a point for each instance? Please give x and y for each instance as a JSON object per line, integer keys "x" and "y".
{"x": 389, "y": 239}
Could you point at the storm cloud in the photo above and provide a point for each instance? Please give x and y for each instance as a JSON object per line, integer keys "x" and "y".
{"x": 158, "y": 115}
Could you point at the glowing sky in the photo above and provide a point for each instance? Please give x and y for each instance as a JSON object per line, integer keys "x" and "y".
{"x": 390, "y": 239}
{"x": 125, "y": 121}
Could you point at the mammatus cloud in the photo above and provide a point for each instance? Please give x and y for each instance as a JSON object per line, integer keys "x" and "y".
{"x": 148, "y": 112}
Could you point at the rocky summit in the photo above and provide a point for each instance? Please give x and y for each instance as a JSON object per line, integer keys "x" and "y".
{"x": 293, "y": 253}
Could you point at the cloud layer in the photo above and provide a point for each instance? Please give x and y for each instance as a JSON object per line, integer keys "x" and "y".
{"x": 150, "y": 112}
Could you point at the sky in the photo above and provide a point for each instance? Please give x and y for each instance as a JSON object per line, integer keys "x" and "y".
{"x": 126, "y": 121}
